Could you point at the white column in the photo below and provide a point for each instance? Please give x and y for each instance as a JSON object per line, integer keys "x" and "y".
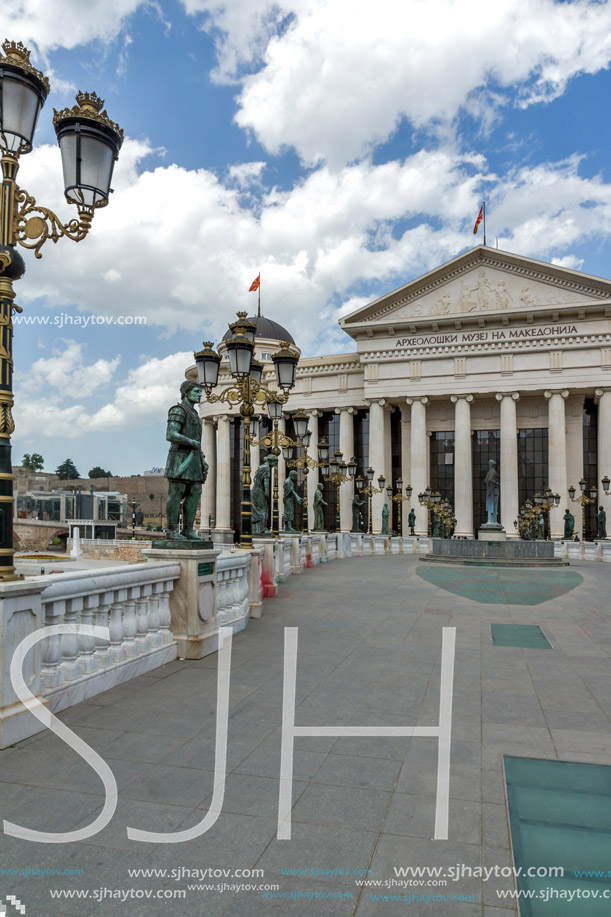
{"x": 557, "y": 457}
{"x": 419, "y": 467}
{"x": 346, "y": 447}
{"x": 604, "y": 438}
{"x": 574, "y": 451}
{"x": 281, "y": 478}
{"x": 463, "y": 466}
{"x": 376, "y": 457}
{"x": 208, "y": 504}
{"x": 405, "y": 445}
{"x": 313, "y": 476}
{"x": 223, "y": 478}
{"x": 510, "y": 504}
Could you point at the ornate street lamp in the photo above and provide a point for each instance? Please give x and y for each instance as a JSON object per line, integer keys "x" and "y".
{"x": 338, "y": 473}
{"x": 584, "y": 500}
{"x": 89, "y": 143}
{"x": 369, "y": 491}
{"x": 399, "y": 498}
{"x": 305, "y": 462}
{"x": 248, "y": 391}
{"x": 278, "y": 442}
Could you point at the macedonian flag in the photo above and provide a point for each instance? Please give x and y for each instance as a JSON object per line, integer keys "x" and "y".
{"x": 480, "y": 217}
{"x": 255, "y": 284}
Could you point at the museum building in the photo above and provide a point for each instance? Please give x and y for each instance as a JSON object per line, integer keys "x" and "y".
{"x": 490, "y": 356}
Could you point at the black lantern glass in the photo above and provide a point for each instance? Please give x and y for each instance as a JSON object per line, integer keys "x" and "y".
{"x": 208, "y": 362}
{"x": 274, "y": 409}
{"x": 239, "y": 351}
{"x": 335, "y": 462}
{"x": 582, "y": 485}
{"x": 285, "y": 362}
{"x": 352, "y": 466}
{"x": 381, "y": 482}
{"x": 605, "y": 483}
{"x": 300, "y": 423}
{"x": 572, "y": 492}
{"x": 370, "y": 473}
{"x": 408, "y": 490}
{"x": 323, "y": 451}
{"x": 306, "y": 440}
{"x": 359, "y": 482}
{"x": 23, "y": 91}
{"x": 256, "y": 371}
{"x": 89, "y": 143}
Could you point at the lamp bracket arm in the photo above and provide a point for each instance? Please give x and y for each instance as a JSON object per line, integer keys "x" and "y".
{"x": 34, "y": 224}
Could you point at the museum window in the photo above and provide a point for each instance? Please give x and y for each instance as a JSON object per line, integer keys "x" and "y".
{"x": 532, "y": 462}
{"x": 442, "y": 464}
{"x": 328, "y": 427}
{"x": 485, "y": 446}
{"x": 590, "y": 463}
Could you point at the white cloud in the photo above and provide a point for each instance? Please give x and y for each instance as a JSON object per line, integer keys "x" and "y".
{"x": 67, "y": 373}
{"x": 333, "y": 80}
{"x": 142, "y": 399}
{"x": 65, "y": 23}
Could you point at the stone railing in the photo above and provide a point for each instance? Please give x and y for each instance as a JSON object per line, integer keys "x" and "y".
{"x": 61, "y": 670}
{"x": 232, "y": 589}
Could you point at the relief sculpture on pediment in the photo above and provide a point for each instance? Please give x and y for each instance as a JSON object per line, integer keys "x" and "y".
{"x": 486, "y": 291}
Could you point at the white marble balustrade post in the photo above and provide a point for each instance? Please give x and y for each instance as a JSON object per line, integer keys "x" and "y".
{"x": 419, "y": 466}
{"x": 52, "y": 675}
{"x": 208, "y": 502}
{"x": 557, "y": 458}
{"x": 129, "y": 622}
{"x": 346, "y": 447}
{"x": 87, "y": 658}
{"x": 115, "y": 625}
{"x": 510, "y": 503}
{"x": 70, "y": 642}
{"x": 102, "y": 613}
{"x": 143, "y": 643}
{"x": 376, "y": 457}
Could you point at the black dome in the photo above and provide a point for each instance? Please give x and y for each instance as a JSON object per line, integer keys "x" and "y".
{"x": 267, "y": 328}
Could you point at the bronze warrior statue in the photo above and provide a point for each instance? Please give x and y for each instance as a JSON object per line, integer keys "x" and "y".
{"x": 186, "y": 468}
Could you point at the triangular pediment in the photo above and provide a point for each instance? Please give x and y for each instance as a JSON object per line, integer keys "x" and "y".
{"x": 482, "y": 281}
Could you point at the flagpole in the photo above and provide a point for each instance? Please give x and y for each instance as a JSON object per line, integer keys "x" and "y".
{"x": 484, "y": 206}
{"x": 259, "y": 291}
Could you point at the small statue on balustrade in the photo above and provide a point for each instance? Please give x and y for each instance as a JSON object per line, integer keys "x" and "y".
{"x": 569, "y": 525}
{"x": 290, "y": 498}
{"x": 259, "y": 495}
{"x": 385, "y": 514}
{"x": 493, "y": 489}
{"x": 541, "y": 527}
{"x": 411, "y": 521}
{"x": 319, "y": 502}
{"x": 601, "y": 524}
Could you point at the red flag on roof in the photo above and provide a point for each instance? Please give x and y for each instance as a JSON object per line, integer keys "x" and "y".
{"x": 255, "y": 284}
{"x": 480, "y": 217}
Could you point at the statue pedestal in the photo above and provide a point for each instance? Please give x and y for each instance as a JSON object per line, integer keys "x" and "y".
{"x": 491, "y": 532}
{"x": 193, "y": 600}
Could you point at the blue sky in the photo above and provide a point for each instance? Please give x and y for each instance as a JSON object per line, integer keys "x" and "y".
{"x": 339, "y": 148}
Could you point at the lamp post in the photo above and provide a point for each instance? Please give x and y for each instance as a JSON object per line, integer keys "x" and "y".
{"x": 544, "y": 503}
{"x": 278, "y": 442}
{"x": 399, "y": 499}
{"x": 584, "y": 500}
{"x": 247, "y": 391}
{"x": 337, "y": 472}
{"x": 304, "y": 463}
{"x": 369, "y": 490}
{"x": 134, "y": 505}
{"x": 89, "y": 143}
{"x": 432, "y": 499}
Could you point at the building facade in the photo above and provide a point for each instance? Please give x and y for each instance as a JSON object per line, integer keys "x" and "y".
{"x": 490, "y": 356}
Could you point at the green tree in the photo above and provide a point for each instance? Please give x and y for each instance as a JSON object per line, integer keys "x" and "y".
{"x": 33, "y": 462}
{"x": 67, "y": 471}
{"x": 98, "y": 472}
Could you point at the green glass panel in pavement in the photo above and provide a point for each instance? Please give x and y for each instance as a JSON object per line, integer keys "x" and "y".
{"x": 493, "y": 586}
{"x": 529, "y": 636}
{"x": 560, "y": 816}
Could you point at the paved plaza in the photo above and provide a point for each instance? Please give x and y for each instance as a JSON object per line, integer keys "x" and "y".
{"x": 370, "y": 633}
